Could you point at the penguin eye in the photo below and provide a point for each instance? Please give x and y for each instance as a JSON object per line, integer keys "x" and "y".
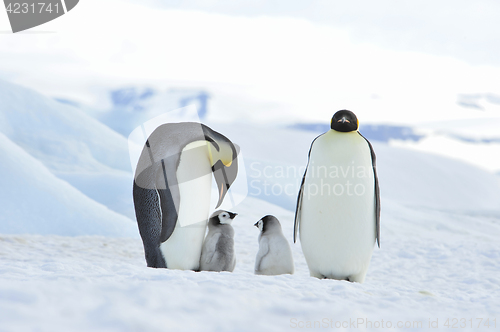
{"x": 224, "y": 215}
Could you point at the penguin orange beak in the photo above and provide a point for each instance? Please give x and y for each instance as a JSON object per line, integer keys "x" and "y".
{"x": 221, "y": 180}
{"x": 222, "y": 193}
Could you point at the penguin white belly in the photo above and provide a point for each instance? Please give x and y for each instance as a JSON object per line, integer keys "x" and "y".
{"x": 194, "y": 175}
{"x": 337, "y": 221}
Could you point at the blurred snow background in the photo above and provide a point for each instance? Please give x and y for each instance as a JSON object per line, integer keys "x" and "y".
{"x": 280, "y": 62}
{"x": 421, "y": 77}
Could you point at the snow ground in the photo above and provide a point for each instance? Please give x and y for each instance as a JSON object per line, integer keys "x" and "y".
{"x": 432, "y": 265}
{"x": 438, "y": 258}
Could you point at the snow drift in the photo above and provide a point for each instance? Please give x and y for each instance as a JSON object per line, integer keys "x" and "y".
{"x": 71, "y": 144}
{"x": 35, "y": 201}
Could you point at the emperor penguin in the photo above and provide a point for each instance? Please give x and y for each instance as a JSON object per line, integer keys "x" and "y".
{"x": 172, "y": 187}
{"x": 274, "y": 256}
{"x": 218, "y": 248}
{"x": 338, "y": 205}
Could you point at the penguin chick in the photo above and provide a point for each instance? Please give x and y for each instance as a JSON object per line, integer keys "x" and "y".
{"x": 274, "y": 256}
{"x": 217, "y": 253}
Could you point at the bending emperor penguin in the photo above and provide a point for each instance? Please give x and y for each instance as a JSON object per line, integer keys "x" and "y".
{"x": 274, "y": 256}
{"x": 218, "y": 249}
{"x": 172, "y": 187}
{"x": 338, "y": 206}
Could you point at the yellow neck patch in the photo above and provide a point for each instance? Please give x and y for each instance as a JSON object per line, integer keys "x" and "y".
{"x": 225, "y": 154}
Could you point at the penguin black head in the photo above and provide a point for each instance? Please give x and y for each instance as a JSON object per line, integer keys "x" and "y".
{"x": 221, "y": 217}
{"x": 344, "y": 121}
{"x": 267, "y": 223}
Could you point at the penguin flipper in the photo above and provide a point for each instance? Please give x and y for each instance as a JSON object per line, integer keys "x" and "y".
{"x": 224, "y": 258}
{"x": 298, "y": 208}
{"x": 377, "y": 190}
{"x": 263, "y": 251}
{"x": 299, "y": 196}
{"x": 209, "y": 248}
{"x": 168, "y": 190}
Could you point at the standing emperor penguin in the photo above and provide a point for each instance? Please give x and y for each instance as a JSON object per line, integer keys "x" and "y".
{"x": 338, "y": 206}
{"x": 218, "y": 249}
{"x": 274, "y": 256}
{"x": 172, "y": 188}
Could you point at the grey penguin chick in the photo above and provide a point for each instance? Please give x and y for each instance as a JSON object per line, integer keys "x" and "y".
{"x": 274, "y": 256}
{"x": 217, "y": 253}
